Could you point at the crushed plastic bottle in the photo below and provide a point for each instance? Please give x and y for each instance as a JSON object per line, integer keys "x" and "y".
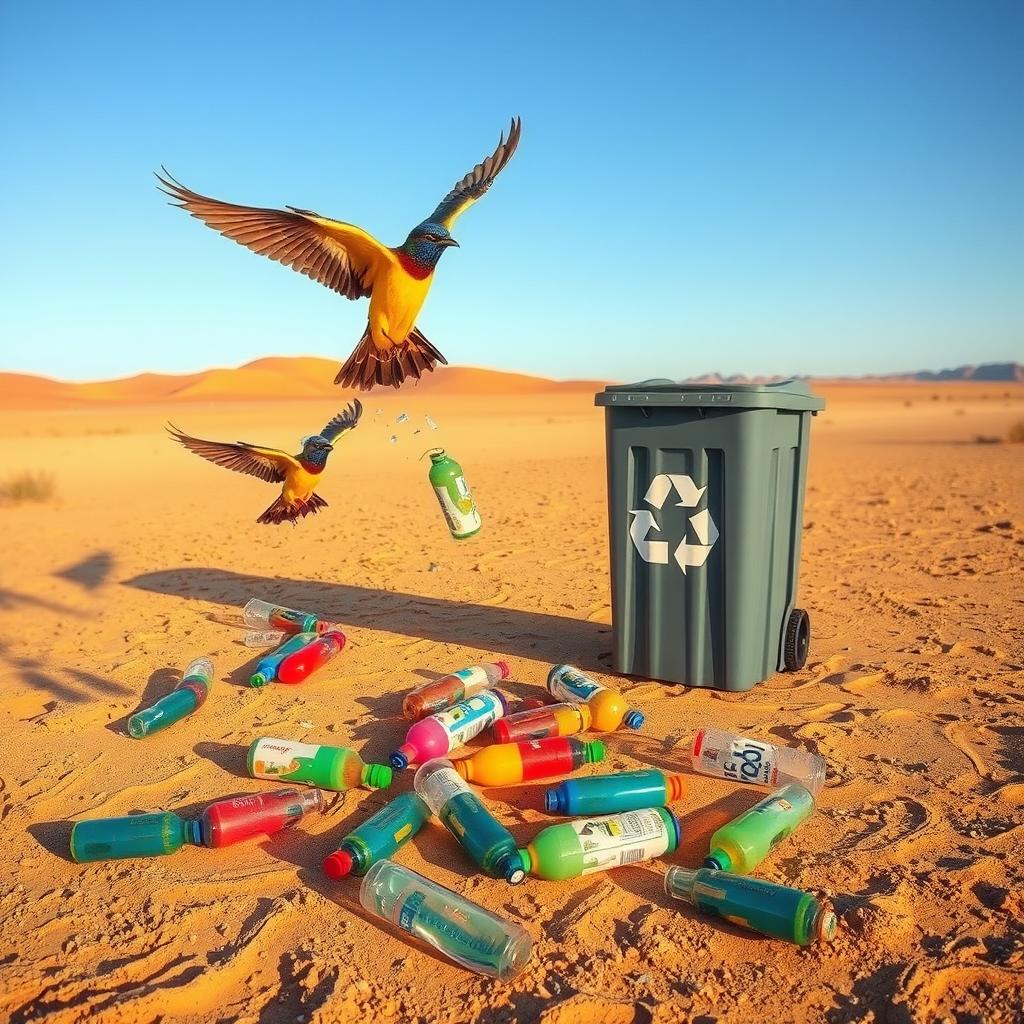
{"x": 267, "y": 666}
{"x": 611, "y": 794}
{"x": 461, "y": 811}
{"x": 745, "y": 841}
{"x": 586, "y": 845}
{"x": 728, "y": 755}
{"x": 377, "y": 838}
{"x": 608, "y": 708}
{"x": 453, "y": 925}
{"x": 186, "y": 697}
{"x": 439, "y": 734}
{"x": 442, "y": 693}
{"x": 333, "y": 768}
{"x": 505, "y": 764}
{"x": 764, "y": 907}
{"x": 535, "y": 723}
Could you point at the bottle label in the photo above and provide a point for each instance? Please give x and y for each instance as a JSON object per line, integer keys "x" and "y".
{"x": 470, "y": 717}
{"x": 278, "y": 759}
{"x": 571, "y": 684}
{"x": 744, "y": 760}
{"x": 461, "y": 514}
{"x": 616, "y": 839}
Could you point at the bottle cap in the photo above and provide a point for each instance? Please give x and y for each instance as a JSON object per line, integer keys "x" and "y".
{"x": 595, "y": 751}
{"x": 377, "y": 776}
{"x": 257, "y": 679}
{"x": 194, "y": 832}
{"x": 511, "y": 867}
{"x": 338, "y": 864}
{"x": 500, "y": 731}
{"x": 554, "y": 802}
{"x": 502, "y": 668}
{"x": 633, "y": 719}
{"x": 400, "y": 758}
{"x": 719, "y": 860}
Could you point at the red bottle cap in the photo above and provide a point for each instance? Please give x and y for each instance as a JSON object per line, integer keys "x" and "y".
{"x": 338, "y": 864}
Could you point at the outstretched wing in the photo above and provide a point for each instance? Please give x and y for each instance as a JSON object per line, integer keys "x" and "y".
{"x": 341, "y": 256}
{"x": 345, "y": 420}
{"x": 268, "y": 464}
{"x": 479, "y": 180}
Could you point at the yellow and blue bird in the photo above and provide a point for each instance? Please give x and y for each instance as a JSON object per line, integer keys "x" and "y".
{"x": 353, "y": 263}
{"x": 297, "y": 474}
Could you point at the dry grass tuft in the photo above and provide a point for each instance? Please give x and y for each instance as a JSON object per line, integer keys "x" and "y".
{"x": 27, "y": 486}
{"x": 1015, "y": 435}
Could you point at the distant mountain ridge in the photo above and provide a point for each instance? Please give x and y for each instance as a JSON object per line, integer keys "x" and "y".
{"x": 983, "y": 373}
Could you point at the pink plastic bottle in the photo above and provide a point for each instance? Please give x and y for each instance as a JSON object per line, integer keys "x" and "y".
{"x": 435, "y": 735}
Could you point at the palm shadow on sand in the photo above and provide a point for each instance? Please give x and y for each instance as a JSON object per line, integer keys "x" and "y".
{"x": 537, "y": 635}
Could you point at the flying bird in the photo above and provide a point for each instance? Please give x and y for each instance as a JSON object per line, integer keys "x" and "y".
{"x": 299, "y": 474}
{"x": 353, "y": 263}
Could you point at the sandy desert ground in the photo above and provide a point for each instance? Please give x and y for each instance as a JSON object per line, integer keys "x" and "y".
{"x": 913, "y": 548}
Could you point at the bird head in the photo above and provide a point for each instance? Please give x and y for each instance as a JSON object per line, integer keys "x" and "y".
{"x": 315, "y": 450}
{"x": 427, "y": 242}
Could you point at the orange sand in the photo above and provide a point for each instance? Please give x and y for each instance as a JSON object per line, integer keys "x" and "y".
{"x": 912, "y": 574}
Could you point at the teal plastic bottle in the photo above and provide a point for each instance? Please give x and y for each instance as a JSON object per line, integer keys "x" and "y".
{"x": 745, "y": 841}
{"x": 764, "y": 907}
{"x": 136, "y": 835}
{"x": 461, "y": 811}
{"x": 185, "y": 698}
{"x": 378, "y": 837}
{"x": 610, "y": 794}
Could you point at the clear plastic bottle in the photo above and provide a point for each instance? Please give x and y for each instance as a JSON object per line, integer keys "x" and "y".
{"x": 728, "y": 755}
{"x": 745, "y": 841}
{"x": 462, "y": 812}
{"x": 608, "y": 708}
{"x": 456, "y": 927}
{"x": 536, "y": 723}
{"x": 776, "y": 910}
{"x": 186, "y": 697}
{"x": 442, "y": 693}
{"x": 259, "y": 614}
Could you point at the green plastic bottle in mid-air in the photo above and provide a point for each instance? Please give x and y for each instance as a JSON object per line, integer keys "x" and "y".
{"x": 453, "y": 495}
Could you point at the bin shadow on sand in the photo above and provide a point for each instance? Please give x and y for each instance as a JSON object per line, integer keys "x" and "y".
{"x": 537, "y": 635}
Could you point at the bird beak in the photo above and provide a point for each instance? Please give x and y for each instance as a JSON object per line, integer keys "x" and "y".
{"x": 330, "y": 447}
{"x": 446, "y": 242}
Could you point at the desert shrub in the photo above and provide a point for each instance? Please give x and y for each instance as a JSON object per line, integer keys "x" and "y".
{"x": 27, "y": 486}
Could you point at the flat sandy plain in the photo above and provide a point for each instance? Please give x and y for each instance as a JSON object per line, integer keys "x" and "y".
{"x": 913, "y": 549}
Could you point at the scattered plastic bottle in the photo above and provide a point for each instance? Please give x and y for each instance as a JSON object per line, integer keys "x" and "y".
{"x": 442, "y": 693}
{"x": 264, "y": 638}
{"x": 402, "y": 417}
{"x": 304, "y": 662}
{"x": 745, "y": 841}
{"x": 536, "y": 723}
{"x": 610, "y": 794}
{"x": 453, "y": 495}
{"x": 333, "y": 768}
{"x": 504, "y": 764}
{"x": 461, "y": 811}
{"x": 608, "y": 708}
{"x": 775, "y": 910}
{"x": 436, "y": 735}
{"x": 231, "y": 821}
{"x": 378, "y": 837}
{"x": 259, "y": 614}
{"x": 727, "y": 755}
{"x": 185, "y": 698}
{"x": 456, "y": 927}
{"x": 266, "y": 667}
{"x": 137, "y": 835}
{"x": 586, "y": 845}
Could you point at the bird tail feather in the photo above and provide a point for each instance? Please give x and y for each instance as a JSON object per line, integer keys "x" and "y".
{"x": 283, "y": 512}
{"x": 368, "y": 366}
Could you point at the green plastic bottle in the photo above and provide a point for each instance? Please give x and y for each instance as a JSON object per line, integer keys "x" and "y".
{"x": 586, "y": 845}
{"x": 334, "y": 768}
{"x": 136, "y": 835}
{"x": 453, "y": 495}
{"x": 776, "y": 910}
{"x": 745, "y": 841}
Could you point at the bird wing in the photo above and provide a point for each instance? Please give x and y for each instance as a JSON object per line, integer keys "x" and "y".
{"x": 341, "y": 256}
{"x": 479, "y": 180}
{"x": 345, "y": 420}
{"x": 268, "y": 464}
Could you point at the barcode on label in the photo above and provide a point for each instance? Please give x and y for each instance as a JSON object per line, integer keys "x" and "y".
{"x": 632, "y": 856}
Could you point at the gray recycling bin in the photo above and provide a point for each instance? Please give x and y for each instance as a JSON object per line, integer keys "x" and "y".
{"x": 705, "y": 512}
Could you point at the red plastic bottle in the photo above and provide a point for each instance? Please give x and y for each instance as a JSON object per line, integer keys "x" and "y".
{"x": 504, "y": 764}
{"x": 303, "y": 663}
{"x": 262, "y": 814}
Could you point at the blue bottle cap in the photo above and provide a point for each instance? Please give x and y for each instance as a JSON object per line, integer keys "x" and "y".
{"x": 554, "y": 800}
{"x": 194, "y": 832}
{"x": 399, "y": 760}
{"x": 633, "y": 719}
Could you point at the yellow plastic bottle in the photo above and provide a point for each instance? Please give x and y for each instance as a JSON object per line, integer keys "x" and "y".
{"x": 608, "y": 708}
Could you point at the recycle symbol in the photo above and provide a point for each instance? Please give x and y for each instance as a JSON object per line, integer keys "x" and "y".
{"x": 690, "y": 495}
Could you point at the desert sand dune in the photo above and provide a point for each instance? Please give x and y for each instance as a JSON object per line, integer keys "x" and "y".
{"x": 913, "y": 548}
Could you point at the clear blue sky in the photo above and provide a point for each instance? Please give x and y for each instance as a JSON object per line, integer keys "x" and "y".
{"x": 818, "y": 187}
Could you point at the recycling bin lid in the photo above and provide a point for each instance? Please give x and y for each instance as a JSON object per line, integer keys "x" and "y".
{"x": 783, "y": 394}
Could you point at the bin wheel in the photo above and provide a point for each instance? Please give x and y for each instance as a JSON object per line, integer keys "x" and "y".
{"x": 798, "y": 640}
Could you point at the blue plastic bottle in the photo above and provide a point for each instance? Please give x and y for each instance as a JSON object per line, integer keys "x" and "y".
{"x": 610, "y": 794}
